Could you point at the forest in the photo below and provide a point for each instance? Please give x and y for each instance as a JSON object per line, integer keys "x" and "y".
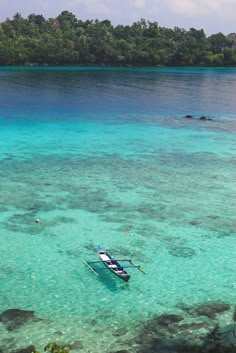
{"x": 66, "y": 40}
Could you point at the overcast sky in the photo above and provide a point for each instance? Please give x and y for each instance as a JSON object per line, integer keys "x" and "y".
{"x": 211, "y": 15}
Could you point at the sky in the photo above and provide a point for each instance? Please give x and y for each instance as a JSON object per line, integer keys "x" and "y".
{"x": 212, "y": 16}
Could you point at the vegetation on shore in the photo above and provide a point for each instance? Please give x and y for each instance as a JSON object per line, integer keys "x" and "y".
{"x": 66, "y": 40}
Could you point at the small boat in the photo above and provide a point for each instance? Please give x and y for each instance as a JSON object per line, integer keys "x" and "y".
{"x": 112, "y": 264}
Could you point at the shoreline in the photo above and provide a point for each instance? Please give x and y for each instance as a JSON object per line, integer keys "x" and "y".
{"x": 118, "y": 66}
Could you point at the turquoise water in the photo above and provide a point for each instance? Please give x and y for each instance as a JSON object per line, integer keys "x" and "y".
{"x": 105, "y": 156}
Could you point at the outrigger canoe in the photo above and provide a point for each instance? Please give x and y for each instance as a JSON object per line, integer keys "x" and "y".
{"x": 112, "y": 264}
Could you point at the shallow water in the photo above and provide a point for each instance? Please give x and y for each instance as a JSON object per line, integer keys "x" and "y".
{"x": 106, "y": 157}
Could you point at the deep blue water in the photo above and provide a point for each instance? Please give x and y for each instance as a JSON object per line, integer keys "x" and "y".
{"x": 147, "y": 91}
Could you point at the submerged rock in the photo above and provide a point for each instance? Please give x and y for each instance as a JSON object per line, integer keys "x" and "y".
{"x": 168, "y": 319}
{"x": 76, "y": 345}
{"x": 205, "y": 118}
{"x": 166, "y": 334}
{"x": 29, "y": 349}
{"x": 157, "y": 324}
{"x": 192, "y": 325}
{"x": 58, "y": 333}
{"x": 209, "y": 310}
{"x": 145, "y": 338}
{"x": 14, "y": 318}
{"x": 212, "y": 309}
{"x": 120, "y": 332}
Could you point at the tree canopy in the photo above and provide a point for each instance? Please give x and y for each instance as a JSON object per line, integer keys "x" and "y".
{"x": 66, "y": 40}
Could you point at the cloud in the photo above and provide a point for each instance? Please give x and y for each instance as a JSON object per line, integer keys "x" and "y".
{"x": 92, "y": 7}
{"x": 214, "y": 15}
{"x": 148, "y": 9}
{"x": 139, "y": 3}
{"x": 118, "y": 9}
{"x": 194, "y": 8}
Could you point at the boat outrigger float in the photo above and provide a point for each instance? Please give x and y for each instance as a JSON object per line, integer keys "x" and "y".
{"x": 111, "y": 264}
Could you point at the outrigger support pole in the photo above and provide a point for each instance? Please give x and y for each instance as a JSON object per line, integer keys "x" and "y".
{"x": 131, "y": 263}
{"x": 90, "y": 268}
{"x": 138, "y": 267}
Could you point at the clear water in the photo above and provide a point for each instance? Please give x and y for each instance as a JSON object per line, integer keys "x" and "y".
{"x": 105, "y": 156}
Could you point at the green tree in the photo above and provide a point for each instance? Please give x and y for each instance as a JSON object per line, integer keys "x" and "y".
{"x": 218, "y": 42}
{"x": 66, "y": 40}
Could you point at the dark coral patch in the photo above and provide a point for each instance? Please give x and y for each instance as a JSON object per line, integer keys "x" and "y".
{"x": 14, "y": 318}
{"x": 192, "y": 325}
{"x": 29, "y": 349}
{"x": 168, "y": 319}
{"x": 209, "y": 310}
{"x": 120, "y": 332}
{"x": 212, "y": 309}
{"x": 76, "y": 345}
{"x": 181, "y": 251}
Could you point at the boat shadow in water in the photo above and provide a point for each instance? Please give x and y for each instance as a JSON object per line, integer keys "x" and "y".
{"x": 111, "y": 283}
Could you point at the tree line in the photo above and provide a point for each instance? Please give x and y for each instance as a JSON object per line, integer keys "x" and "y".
{"x": 66, "y": 40}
